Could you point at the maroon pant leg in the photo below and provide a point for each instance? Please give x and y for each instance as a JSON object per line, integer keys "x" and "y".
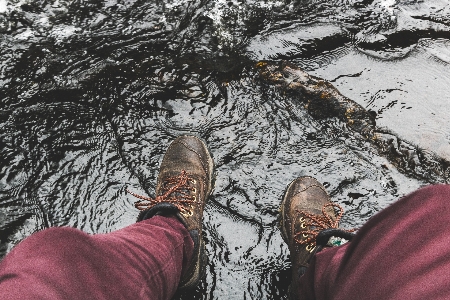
{"x": 403, "y": 252}
{"x": 142, "y": 261}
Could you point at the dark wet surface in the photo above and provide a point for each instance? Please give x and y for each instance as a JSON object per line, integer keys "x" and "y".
{"x": 92, "y": 93}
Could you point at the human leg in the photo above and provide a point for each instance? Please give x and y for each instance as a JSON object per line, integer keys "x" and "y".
{"x": 166, "y": 245}
{"x": 142, "y": 261}
{"x": 401, "y": 253}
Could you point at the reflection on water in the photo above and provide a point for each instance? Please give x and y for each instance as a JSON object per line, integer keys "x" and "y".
{"x": 92, "y": 92}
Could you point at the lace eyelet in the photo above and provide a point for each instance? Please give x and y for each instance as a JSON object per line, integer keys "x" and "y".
{"x": 310, "y": 248}
{"x": 303, "y": 225}
{"x": 187, "y": 213}
{"x": 305, "y": 235}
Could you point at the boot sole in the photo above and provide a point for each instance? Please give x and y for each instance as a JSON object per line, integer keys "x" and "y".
{"x": 281, "y": 221}
{"x": 202, "y": 258}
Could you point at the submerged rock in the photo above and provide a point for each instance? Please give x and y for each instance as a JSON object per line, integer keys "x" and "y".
{"x": 322, "y": 100}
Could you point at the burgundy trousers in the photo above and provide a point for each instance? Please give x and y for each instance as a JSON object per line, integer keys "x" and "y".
{"x": 142, "y": 261}
{"x": 403, "y": 252}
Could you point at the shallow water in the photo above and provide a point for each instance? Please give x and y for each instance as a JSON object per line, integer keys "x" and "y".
{"x": 92, "y": 93}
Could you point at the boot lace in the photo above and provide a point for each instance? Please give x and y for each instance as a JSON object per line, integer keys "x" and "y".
{"x": 175, "y": 190}
{"x": 318, "y": 224}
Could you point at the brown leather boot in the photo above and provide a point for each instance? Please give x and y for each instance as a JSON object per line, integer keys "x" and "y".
{"x": 306, "y": 212}
{"x": 182, "y": 189}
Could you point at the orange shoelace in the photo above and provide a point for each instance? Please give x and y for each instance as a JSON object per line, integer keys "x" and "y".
{"x": 176, "y": 190}
{"x": 316, "y": 224}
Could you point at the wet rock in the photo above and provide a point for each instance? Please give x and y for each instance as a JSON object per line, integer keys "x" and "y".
{"x": 323, "y": 100}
